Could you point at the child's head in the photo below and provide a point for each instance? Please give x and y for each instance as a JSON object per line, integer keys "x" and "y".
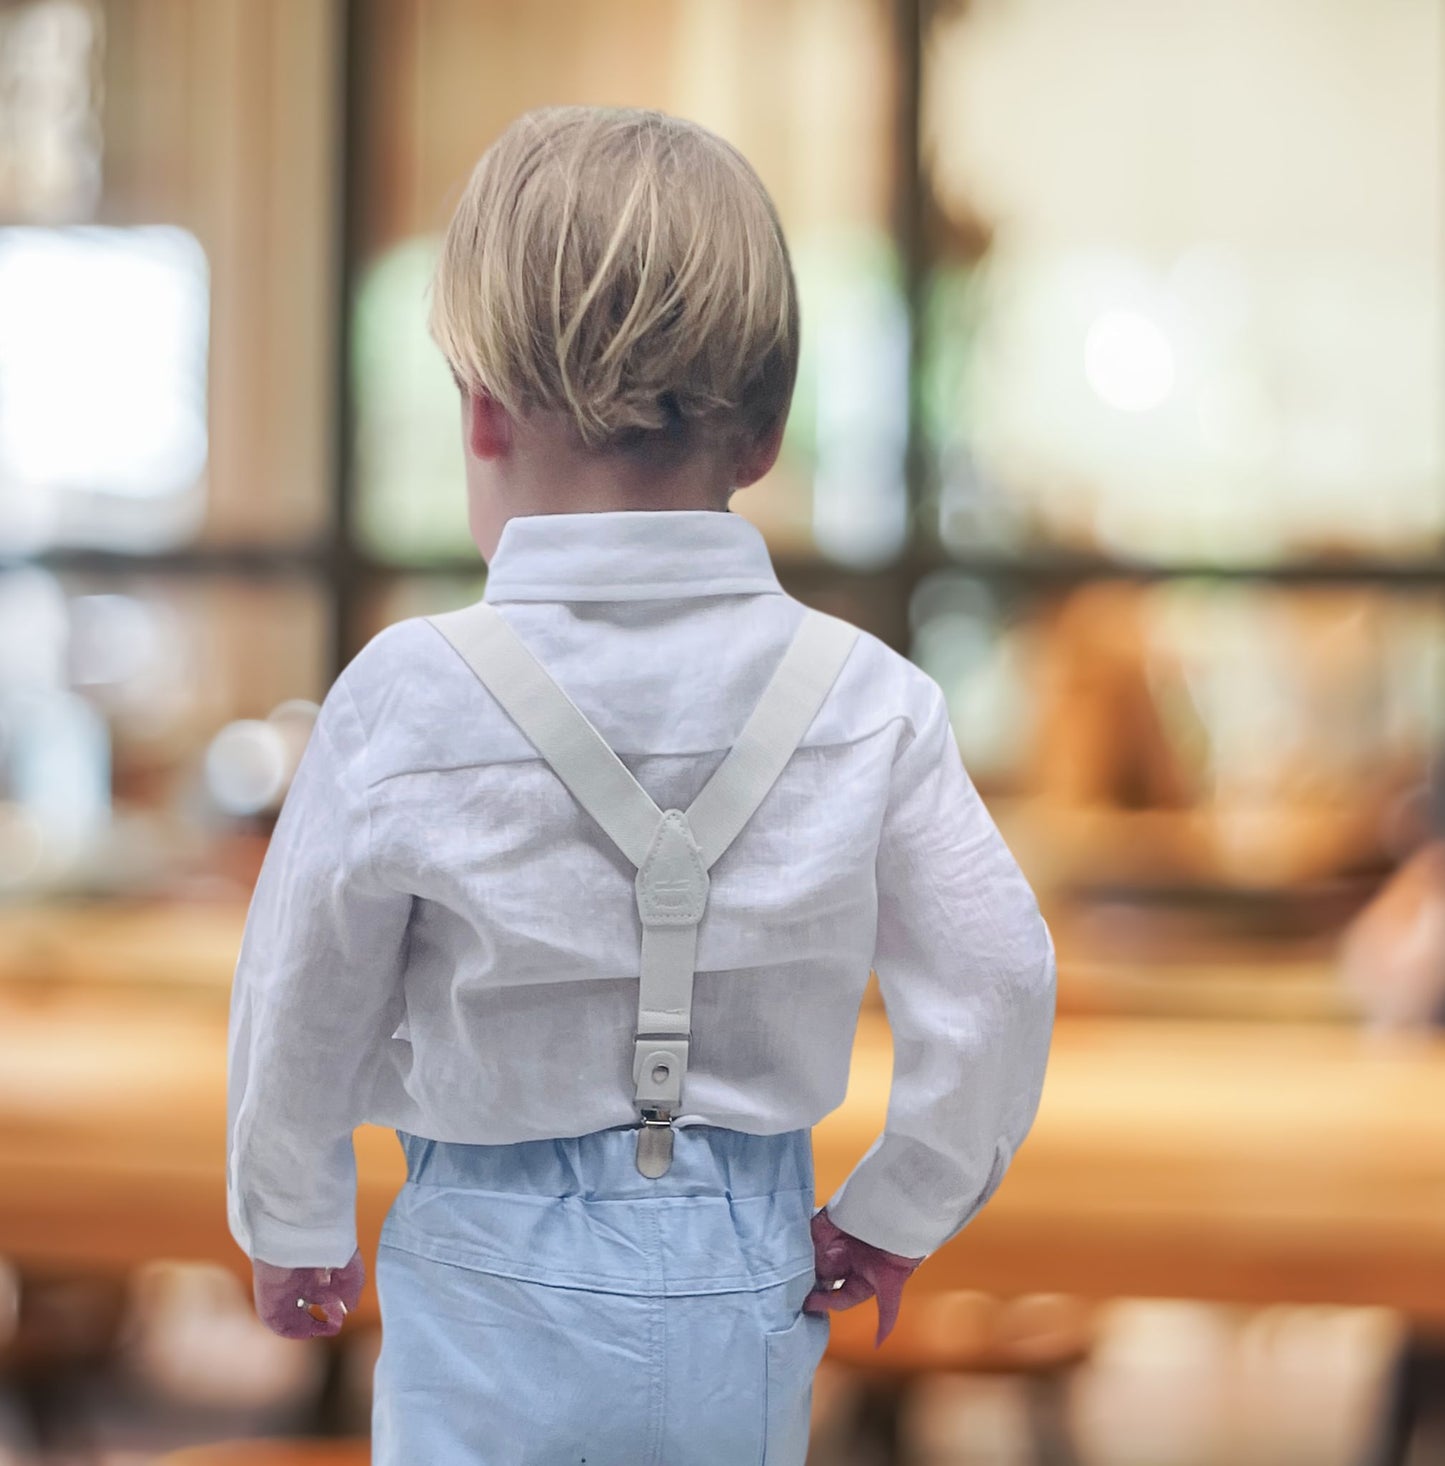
{"x": 616, "y": 301}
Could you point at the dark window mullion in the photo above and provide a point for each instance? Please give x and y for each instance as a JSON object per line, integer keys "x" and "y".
{"x": 911, "y": 184}
{"x": 348, "y": 570}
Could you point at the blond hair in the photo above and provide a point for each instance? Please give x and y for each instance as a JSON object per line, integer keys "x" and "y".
{"x": 626, "y": 268}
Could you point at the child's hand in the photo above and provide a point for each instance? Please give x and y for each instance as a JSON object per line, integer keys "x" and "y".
{"x": 326, "y": 1295}
{"x": 865, "y": 1270}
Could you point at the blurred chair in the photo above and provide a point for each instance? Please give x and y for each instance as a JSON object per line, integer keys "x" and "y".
{"x": 9, "y": 1309}
{"x": 191, "y": 1337}
{"x": 273, "y": 1453}
{"x": 17, "y": 1437}
{"x": 1392, "y": 961}
{"x": 1036, "y": 1340}
{"x": 60, "y": 1333}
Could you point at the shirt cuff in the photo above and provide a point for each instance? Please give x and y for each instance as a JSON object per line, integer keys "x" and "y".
{"x": 878, "y": 1225}
{"x": 877, "y": 1220}
{"x": 283, "y": 1245}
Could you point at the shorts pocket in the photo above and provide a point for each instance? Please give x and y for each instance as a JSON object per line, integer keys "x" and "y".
{"x": 793, "y": 1356}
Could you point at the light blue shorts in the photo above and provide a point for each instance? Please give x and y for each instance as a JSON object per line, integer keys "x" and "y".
{"x": 545, "y": 1304}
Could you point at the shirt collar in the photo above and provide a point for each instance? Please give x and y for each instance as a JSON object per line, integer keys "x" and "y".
{"x": 629, "y": 555}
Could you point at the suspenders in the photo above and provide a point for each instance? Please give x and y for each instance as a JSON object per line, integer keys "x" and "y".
{"x": 672, "y": 849}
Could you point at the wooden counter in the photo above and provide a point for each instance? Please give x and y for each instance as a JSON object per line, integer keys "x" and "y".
{"x": 1248, "y": 1162}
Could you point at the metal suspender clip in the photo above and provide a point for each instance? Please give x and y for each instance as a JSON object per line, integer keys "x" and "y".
{"x": 657, "y": 1066}
{"x": 654, "y": 1143}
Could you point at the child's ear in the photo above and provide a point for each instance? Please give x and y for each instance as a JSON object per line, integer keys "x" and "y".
{"x": 489, "y": 426}
{"x": 759, "y": 454}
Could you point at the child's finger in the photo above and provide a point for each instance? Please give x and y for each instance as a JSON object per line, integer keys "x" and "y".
{"x": 826, "y": 1300}
{"x": 887, "y": 1315}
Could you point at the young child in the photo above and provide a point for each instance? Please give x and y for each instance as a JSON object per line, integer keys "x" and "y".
{"x": 578, "y": 888}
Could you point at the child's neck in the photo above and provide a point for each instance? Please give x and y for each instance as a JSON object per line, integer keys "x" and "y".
{"x": 546, "y": 474}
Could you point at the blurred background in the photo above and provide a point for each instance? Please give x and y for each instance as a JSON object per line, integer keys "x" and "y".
{"x": 1121, "y": 412}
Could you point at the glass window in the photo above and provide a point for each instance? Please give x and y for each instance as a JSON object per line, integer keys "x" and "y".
{"x": 1203, "y": 779}
{"x": 167, "y": 252}
{"x": 1186, "y": 302}
{"x": 220, "y": 119}
{"x": 804, "y": 88}
{"x": 146, "y": 720}
{"x": 1169, "y": 285}
{"x": 133, "y": 306}
{"x": 50, "y": 109}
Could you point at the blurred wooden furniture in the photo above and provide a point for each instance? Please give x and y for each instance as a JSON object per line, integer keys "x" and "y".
{"x": 178, "y": 951}
{"x": 185, "y": 953}
{"x": 273, "y": 1453}
{"x": 1234, "y": 1161}
{"x": 1393, "y": 961}
{"x": 1037, "y": 1340}
{"x": 1239, "y": 1162}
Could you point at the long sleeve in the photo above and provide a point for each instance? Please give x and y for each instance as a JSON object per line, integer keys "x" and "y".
{"x": 319, "y": 968}
{"x": 966, "y": 968}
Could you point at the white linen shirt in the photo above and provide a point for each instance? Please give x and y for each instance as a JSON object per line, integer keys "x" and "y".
{"x": 441, "y": 940}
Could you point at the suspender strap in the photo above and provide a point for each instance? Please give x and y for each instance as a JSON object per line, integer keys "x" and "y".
{"x": 672, "y": 849}
{"x": 554, "y": 725}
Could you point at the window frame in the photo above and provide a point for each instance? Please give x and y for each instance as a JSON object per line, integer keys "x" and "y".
{"x": 349, "y": 575}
